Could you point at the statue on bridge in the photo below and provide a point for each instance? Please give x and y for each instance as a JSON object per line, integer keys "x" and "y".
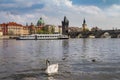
{"x": 65, "y": 24}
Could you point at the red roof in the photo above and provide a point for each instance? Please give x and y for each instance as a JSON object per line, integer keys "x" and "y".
{"x": 4, "y": 24}
{"x": 10, "y": 24}
{"x": 13, "y": 24}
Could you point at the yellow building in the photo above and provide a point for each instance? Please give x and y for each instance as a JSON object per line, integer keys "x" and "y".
{"x": 24, "y": 31}
{"x": 60, "y": 29}
{"x": 17, "y": 29}
{"x": 49, "y": 29}
{"x": 13, "y": 29}
{"x": 56, "y": 30}
{"x": 1, "y": 33}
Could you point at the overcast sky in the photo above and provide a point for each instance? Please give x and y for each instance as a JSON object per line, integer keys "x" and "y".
{"x": 102, "y": 13}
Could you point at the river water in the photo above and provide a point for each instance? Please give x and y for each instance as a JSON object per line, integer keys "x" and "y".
{"x": 25, "y": 59}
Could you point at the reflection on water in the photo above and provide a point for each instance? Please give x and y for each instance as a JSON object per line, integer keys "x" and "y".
{"x": 25, "y": 60}
{"x": 65, "y": 50}
{"x": 51, "y": 78}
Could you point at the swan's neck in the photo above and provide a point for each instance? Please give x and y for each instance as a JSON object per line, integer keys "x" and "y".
{"x": 47, "y": 63}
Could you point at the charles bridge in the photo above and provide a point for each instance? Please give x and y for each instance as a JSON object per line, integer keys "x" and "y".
{"x": 86, "y": 33}
{"x": 96, "y": 34}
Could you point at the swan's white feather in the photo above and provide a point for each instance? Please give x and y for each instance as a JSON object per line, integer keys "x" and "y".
{"x": 52, "y": 69}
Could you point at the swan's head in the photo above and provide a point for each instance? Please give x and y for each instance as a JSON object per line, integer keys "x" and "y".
{"x": 47, "y": 62}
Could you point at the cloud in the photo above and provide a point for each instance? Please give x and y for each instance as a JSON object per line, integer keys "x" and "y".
{"x": 53, "y": 11}
{"x": 88, "y": 9}
{"x": 23, "y": 19}
{"x": 114, "y": 10}
{"x": 26, "y": 3}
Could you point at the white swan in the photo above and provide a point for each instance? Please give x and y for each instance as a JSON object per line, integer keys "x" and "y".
{"x": 51, "y": 68}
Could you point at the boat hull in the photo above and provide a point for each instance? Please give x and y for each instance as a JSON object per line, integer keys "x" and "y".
{"x": 42, "y": 37}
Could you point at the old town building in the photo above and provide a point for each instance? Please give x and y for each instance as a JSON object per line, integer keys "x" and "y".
{"x": 60, "y": 29}
{"x": 1, "y": 33}
{"x": 13, "y": 28}
{"x": 84, "y": 26}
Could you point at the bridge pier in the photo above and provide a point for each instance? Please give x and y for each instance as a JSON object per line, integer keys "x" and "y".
{"x": 97, "y": 34}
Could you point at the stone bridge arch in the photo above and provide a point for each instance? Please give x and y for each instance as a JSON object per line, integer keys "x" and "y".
{"x": 106, "y": 35}
{"x": 118, "y": 36}
{"x": 79, "y": 36}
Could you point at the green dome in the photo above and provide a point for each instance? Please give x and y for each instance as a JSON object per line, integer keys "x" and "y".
{"x": 40, "y": 22}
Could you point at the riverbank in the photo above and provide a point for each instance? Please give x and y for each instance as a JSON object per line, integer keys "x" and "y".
{"x": 7, "y": 37}
{"x": 4, "y": 37}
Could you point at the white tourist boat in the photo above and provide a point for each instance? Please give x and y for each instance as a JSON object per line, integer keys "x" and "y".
{"x": 42, "y": 37}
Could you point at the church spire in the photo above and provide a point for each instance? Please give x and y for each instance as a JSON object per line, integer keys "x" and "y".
{"x": 84, "y": 21}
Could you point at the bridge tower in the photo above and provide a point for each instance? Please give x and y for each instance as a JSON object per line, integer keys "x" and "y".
{"x": 84, "y": 25}
{"x": 65, "y": 24}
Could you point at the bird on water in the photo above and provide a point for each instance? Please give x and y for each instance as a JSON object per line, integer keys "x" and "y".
{"x": 51, "y": 68}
